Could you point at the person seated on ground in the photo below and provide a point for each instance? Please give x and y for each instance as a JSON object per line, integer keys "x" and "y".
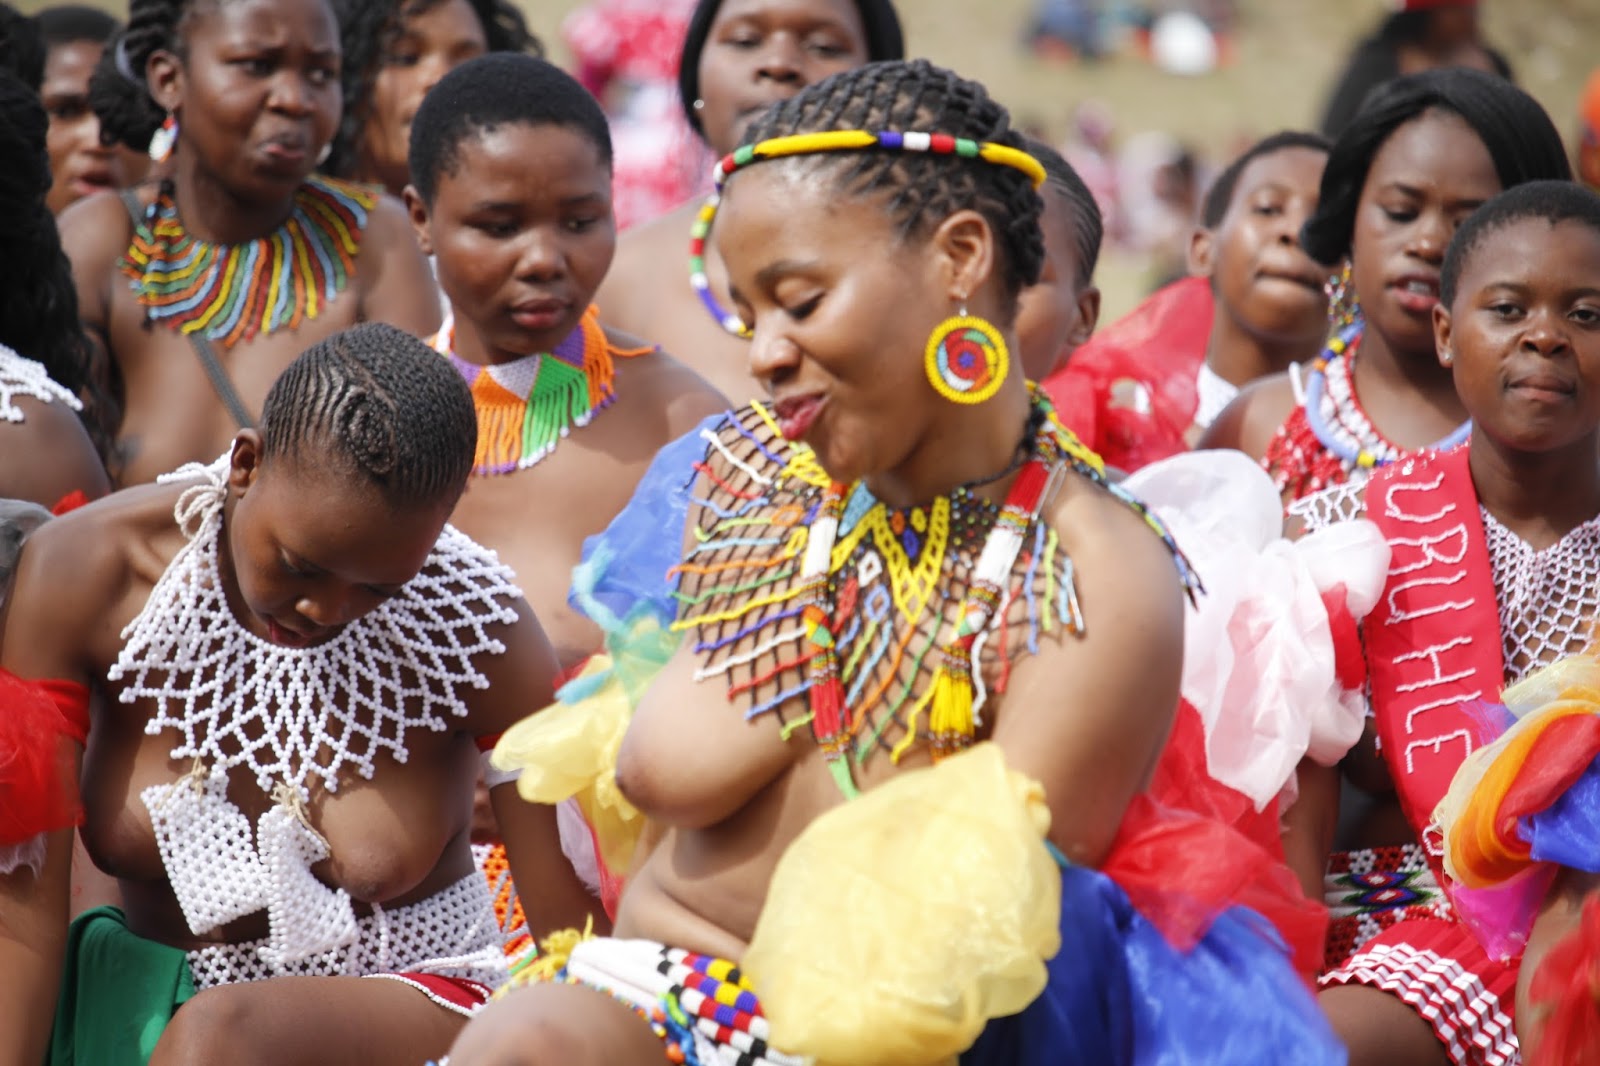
{"x": 1147, "y": 386}
{"x": 511, "y": 195}
{"x": 394, "y": 52}
{"x": 739, "y": 57}
{"x": 75, "y": 37}
{"x": 1419, "y": 35}
{"x": 1426, "y": 152}
{"x": 841, "y": 571}
{"x": 202, "y": 289}
{"x": 54, "y": 428}
{"x": 282, "y": 662}
{"x": 1058, "y": 313}
{"x": 1496, "y": 554}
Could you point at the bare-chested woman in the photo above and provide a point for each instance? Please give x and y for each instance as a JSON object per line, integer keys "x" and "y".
{"x": 284, "y": 664}
{"x": 239, "y": 258}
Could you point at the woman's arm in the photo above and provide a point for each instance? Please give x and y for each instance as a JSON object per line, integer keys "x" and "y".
{"x": 397, "y": 285}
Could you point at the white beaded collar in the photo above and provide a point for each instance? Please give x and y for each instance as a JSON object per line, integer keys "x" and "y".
{"x": 21, "y": 376}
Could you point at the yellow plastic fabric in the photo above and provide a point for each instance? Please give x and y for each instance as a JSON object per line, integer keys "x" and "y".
{"x": 570, "y": 750}
{"x": 899, "y": 923}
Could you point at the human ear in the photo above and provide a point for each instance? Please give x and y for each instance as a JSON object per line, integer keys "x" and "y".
{"x": 964, "y": 247}
{"x": 417, "y": 209}
{"x": 1441, "y": 335}
{"x": 1202, "y": 252}
{"x": 244, "y": 464}
{"x": 164, "y": 79}
{"x": 1088, "y": 316}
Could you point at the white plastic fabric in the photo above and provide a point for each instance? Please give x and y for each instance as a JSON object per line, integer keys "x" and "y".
{"x": 1258, "y": 656}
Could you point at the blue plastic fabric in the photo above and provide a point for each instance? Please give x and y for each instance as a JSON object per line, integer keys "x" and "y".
{"x": 1568, "y": 831}
{"x": 1120, "y": 994}
{"x": 625, "y": 567}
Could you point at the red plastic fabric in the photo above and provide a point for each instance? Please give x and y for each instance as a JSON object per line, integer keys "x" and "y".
{"x": 40, "y": 723}
{"x": 70, "y": 502}
{"x": 1568, "y": 983}
{"x": 1132, "y": 391}
{"x": 1350, "y": 660}
{"x": 1192, "y": 847}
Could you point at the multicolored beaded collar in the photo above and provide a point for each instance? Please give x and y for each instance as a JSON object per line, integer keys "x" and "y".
{"x": 527, "y": 405}
{"x": 1335, "y": 415}
{"x": 232, "y": 292}
{"x": 830, "y": 141}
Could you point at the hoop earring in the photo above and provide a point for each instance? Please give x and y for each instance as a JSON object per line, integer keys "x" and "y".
{"x": 1343, "y": 307}
{"x": 966, "y": 358}
{"x": 164, "y": 140}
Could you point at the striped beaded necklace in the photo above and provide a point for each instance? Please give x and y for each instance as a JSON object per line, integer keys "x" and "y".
{"x": 233, "y": 292}
{"x": 527, "y": 405}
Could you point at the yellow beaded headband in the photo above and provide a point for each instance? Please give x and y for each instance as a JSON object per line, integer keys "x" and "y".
{"x": 831, "y": 141}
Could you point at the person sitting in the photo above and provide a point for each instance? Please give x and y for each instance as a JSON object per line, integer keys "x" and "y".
{"x": 200, "y": 291}
{"x": 276, "y": 667}
{"x": 905, "y": 556}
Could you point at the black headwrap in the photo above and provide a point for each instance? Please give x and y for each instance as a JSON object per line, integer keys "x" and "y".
{"x": 884, "y": 41}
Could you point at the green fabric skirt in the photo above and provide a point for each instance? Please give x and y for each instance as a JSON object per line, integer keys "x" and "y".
{"x": 118, "y": 992}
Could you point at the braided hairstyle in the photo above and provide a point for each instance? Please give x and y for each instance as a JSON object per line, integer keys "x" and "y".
{"x": 1088, "y": 223}
{"x": 22, "y": 49}
{"x": 381, "y": 405}
{"x": 38, "y": 303}
{"x": 920, "y": 190}
{"x": 1517, "y": 132}
{"x": 368, "y": 30}
{"x": 118, "y": 92}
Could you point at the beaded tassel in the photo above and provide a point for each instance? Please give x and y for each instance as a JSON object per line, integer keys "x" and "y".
{"x": 232, "y": 292}
{"x": 826, "y": 695}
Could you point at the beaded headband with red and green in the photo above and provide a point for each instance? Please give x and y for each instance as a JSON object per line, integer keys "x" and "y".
{"x": 830, "y": 141}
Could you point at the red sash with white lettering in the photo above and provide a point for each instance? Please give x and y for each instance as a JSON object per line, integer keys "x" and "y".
{"x": 1433, "y": 641}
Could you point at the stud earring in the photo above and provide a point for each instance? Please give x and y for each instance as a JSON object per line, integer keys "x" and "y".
{"x": 699, "y": 105}
{"x": 165, "y": 139}
{"x": 1447, "y": 357}
{"x": 322, "y": 156}
{"x": 966, "y": 358}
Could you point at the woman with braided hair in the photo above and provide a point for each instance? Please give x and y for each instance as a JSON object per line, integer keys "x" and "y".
{"x": 201, "y": 289}
{"x": 394, "y": 52}
{"x": 282, "y": 662}
{"x": 52, "y": 421}
{"x": 920, "y": 660}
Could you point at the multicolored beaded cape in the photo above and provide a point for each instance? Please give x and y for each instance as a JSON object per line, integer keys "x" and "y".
{"x": 819, "y": 604}
{"x": 527, "y": 405}
{"x": 233, "y": 292}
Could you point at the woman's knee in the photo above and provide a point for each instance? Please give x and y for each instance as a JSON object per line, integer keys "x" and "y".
{"x": 546, "y": 1025}
{"x": 219, "y": 1025}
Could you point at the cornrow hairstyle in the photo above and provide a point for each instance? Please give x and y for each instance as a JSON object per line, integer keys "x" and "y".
{"x": 70, "y": 23}
{"x": 38, "y": 301}
{"x": 492, "y": 91}
{"x": 1519, "y": 136}
{"x": 885, "y": 41}
{"x": 1088, "y": 224}
{"x": 368, "y": 30}
{"x": 21, "y": 47}
{"x": 1220, "y": 196}
{"x": 128, "y": 114}
{"x": 1554, "y": 202}
{"x": 382, "y": 405}
{"x": 921, "y": 190}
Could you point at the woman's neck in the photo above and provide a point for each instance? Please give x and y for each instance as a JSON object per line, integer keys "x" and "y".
{"x": 211, "y": 212}
{"x": 965, "y": 445}
{"x": 1239, "y": 356}
{"x": 1390, "y": 381}
{"x": 1540, "y": 496}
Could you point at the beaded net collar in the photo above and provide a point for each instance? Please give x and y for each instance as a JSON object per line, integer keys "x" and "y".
{"x": 21, "y": 376}
{"x": 900, "y": 631}
{"x": 293, "y": 718}
{"x": 232, "y": 292}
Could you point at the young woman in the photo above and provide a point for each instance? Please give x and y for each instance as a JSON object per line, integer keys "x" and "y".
{"x": 48, "y": 449}
{"x": 845, "y": 554}
{"x": 1422, "y": 156}
{"x": 282, "y": 662}
{"x": 204, "y": 288}
{"x": 1059, "y": 312}
{"x": 81, "y": 163}
{"x": 739, "y": 57}
{"x": 394, "y": 52}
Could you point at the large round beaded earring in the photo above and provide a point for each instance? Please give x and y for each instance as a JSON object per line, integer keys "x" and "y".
{"x": 966, "y": 358}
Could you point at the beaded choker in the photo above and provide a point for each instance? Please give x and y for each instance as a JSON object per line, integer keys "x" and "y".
{"x": 831, "y": 141}
{"x": 527, "y": 405}
{"x": 804, "y": 587}
{"x": 1336, "y": 417}
{"x": 232, "y": 292}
